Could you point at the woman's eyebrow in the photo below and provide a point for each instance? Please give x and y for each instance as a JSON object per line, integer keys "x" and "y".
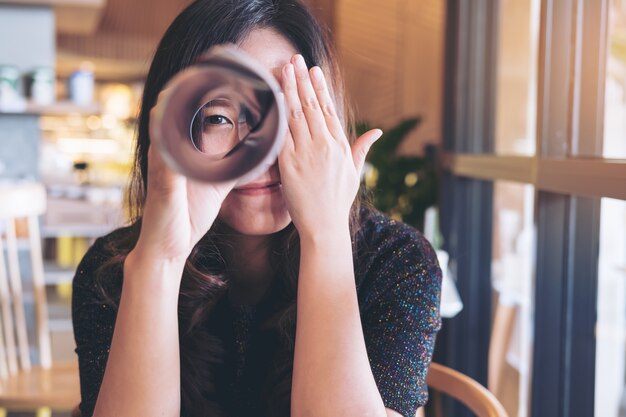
{"x": 218, "y": 102}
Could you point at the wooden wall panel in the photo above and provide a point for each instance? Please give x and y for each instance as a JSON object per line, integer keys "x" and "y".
{"x": 368, "y": 40}
{"x": 392, "y": 54}
{"x": 324, "y": 10}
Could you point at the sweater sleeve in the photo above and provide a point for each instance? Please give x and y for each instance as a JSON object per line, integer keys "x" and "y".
{"x": 93, "y": 320}
{"x": 400, "y": 316}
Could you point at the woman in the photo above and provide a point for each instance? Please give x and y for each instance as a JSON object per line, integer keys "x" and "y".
{"x": 191, "y": 310}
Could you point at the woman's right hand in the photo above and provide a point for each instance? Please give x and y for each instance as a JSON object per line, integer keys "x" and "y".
{"x": 177, "y": 213}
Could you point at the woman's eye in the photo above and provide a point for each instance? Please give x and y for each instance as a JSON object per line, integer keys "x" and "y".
{"x": 216, "y": 120}
{"x": 246, "y": 117}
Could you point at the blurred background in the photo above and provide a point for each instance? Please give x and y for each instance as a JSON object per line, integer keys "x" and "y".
{"x": 505, "y": 143}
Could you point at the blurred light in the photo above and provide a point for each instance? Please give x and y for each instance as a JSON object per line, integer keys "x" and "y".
{"x": 411, "y": 179}
{"x": 118, "y": 100}
{"x": 109, "y": 121}
{"x": 51, "y": 123}
{"x": 93, "y": 122}
{"x": 371, "y": 175}
{"x": 403, "y": 202}
{"x": 87, "y": 146}
{"x": 75, "y": 120}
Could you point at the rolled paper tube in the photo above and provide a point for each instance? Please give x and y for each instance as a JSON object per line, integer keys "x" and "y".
{"x": 224, "y": 71}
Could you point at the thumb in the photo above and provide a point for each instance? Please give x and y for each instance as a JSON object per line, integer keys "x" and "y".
{"x": 362, "y": 145}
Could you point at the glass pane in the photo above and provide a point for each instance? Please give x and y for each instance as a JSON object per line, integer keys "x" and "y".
{"x": 615, "y": 93}
{"x": 610, "y": 395}
{"x": 516, "y": 88}
{"x": 512, "y": 266}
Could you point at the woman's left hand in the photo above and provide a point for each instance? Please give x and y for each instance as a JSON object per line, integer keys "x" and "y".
{"x": 320, "y": 171}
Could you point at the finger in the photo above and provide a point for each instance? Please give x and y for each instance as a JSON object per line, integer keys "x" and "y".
{"x": 155, "y": 159}
{"x": 327, "y": 104}
{"x": 286, "y": 153}
{"x": 296, "y": 120}
{"x": 200, "y": 192}
{"x": 288, "y": 138}
{"x": 289, "y": 143}
{"x": 362, "y": 145}
{"x": 311, "y": 106}
{"x": 160, "y": 176}
{"x": 161, "y": 179}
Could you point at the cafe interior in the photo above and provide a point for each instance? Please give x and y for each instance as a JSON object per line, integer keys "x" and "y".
{"x": 504, "y": 144}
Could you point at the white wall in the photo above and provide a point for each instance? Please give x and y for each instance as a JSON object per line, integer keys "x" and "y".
{"x": 27, "y": 41}
{"x": 27, "y": 37}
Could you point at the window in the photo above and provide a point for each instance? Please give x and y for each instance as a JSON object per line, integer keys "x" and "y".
{"x": 534, "y": 197}
{"x": 615, "y": 89}
{"x": 610, "y": 390}
{"x": 511, "y": 339}
{"x": 516, "y": 72}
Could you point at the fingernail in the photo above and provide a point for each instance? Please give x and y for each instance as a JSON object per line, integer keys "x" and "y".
{"x": 300, "y": 63}
{"x": 316, "y": 73}
{"x": 378, "y": 135}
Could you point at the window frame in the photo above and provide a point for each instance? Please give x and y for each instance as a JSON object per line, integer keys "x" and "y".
{"x": 570, "y": 178}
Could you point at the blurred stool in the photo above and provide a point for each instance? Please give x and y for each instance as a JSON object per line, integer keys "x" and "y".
{"x": 24, "y": 386}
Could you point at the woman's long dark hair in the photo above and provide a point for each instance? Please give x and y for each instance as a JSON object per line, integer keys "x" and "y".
{"x": 201, "y": 25}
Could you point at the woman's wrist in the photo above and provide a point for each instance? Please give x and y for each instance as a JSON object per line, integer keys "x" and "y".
{"x": 325, "y": 235}
{"x": 158, "y": 272}
{"x": 325, "y": 230}
{"x": 147, "y": 252}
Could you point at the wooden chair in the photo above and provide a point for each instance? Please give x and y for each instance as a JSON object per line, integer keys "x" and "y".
{"x": 452, "y": 383}
{"x": 24, "y": 386}
{"x": 464, "y": 389}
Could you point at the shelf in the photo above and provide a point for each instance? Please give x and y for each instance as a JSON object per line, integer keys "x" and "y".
{"x": 63, "y": 108}
{"x": 60, "y": 108}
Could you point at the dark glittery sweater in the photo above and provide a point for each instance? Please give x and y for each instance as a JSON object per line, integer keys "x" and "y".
{"x": 398, "y": 292}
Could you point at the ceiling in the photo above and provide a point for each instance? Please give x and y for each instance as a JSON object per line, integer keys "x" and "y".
{"x": 121, "y": 43}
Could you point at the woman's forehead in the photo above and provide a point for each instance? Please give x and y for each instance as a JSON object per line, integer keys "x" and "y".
{"x": 269, "y": 48}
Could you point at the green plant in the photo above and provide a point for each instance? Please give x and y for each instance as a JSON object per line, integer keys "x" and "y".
{"x": 402, "y": 186}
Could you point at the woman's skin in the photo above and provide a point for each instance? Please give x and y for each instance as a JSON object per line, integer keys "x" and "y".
{"x": 319, "y": 173}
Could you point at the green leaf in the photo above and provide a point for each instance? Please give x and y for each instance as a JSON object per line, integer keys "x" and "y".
{"x": 391, "y": 193}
